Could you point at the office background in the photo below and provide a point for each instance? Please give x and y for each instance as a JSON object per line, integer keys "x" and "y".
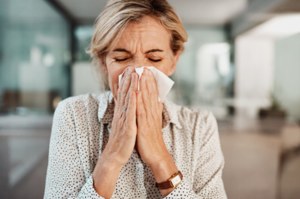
{"x": 242, "y": 62}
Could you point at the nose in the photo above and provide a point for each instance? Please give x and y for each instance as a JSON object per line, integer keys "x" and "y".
{"x": 138, "y": 62}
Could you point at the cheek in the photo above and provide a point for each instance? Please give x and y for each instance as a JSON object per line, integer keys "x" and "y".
{"x": 113, "y": 76}
{"x": 167, "y": 67}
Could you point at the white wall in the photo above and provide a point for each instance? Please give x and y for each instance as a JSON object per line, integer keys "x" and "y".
{"x": 287, "y": 75}
{"x": 187, "y": 78}
{"x": 254, "y": 73}
{"x": 85, "y": 79}
{"x": 267, "y": 66}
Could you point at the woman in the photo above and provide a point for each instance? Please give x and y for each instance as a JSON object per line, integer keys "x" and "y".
{"x": 125, "y": 143}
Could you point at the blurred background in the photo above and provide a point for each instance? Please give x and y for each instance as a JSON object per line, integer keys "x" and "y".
{"x": 242, "y": 62}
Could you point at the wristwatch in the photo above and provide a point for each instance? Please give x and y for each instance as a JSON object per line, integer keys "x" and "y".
{"x": 172, "y": 182}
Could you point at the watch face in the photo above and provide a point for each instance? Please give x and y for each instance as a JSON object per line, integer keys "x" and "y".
{"x": 176, "y": 180}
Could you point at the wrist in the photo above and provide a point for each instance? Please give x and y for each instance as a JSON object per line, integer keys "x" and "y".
{"x": 162, "y": 170}
{"x": 172, "y": 182}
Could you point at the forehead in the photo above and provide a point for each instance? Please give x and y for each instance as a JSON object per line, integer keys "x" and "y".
{"x": 147, "y": 32}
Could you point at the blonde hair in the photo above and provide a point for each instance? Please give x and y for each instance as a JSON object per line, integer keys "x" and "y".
{"x": 118, "y": 13}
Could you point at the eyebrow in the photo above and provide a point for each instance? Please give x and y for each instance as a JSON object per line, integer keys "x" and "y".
{"x": 154, "y": 50}
{"x": 127, "y": 51}
{"x": 121, "y": 50}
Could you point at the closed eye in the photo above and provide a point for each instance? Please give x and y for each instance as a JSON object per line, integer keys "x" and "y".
{"x": 121, "y": 59}
{"x": 155, "y": 60}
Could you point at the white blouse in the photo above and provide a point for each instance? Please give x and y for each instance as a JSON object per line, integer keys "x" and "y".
{"x": 80, "y": 131}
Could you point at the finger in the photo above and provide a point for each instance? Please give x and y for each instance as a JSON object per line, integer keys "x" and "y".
{"x": 131, "y": 98}
{"x": 125, "y": 84}
{"x": 140, "y": 109}
{"x": 152, "y": 88}
{"x": 145, "y": 95}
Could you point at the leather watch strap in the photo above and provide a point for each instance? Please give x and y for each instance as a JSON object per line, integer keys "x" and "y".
{"x": 172, "y": 182}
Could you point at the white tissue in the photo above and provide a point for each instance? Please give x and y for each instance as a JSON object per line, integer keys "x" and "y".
{"x": 164, "y": 83}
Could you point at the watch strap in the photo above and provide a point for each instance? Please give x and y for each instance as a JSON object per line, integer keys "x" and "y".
{"x": 168, "y": 183}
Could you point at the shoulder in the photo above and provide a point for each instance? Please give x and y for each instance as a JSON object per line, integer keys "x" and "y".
{"x": 70, "y": 107}
{"x": 83, "y": 103}
{"x": 77, "y": 114}
{"x": 201, "y": 123}
{"x": 81, "y": 108}
{"x": 79, "y": 102}
{"x": 199, "y": 130}
{"x": 198, "y": 115}
{"x": 191, "y": 118}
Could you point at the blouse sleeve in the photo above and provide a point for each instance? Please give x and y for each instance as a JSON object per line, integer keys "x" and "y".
{"x": 65, "y": 176}
{"x": 208, "y": 183}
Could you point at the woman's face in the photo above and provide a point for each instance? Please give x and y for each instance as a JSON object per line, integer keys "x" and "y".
{"x": 143, "y": 43}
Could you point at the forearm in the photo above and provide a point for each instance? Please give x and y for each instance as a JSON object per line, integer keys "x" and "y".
{"x": 162, "y": 171}
{"x": 105, "y": 177}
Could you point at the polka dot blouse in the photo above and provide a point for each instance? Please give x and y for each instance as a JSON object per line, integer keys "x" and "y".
{"x": 80, "y": 131}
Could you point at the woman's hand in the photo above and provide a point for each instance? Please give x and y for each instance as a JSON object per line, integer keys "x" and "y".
{"x": 122, "y": 138}
{"x": 124, "y": 129}
{"x": 150, "y": 143}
